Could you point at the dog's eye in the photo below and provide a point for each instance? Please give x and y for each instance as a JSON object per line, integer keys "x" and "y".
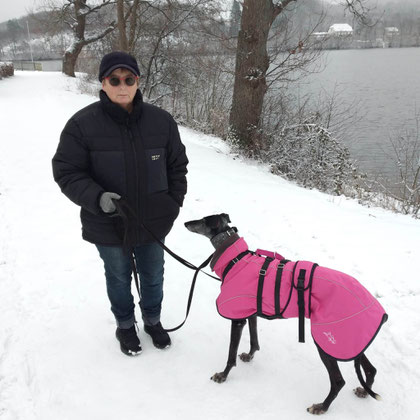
{"x": 226, "y": 217}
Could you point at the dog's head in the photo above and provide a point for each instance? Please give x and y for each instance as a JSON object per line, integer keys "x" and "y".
{"x": 209, "y": 226}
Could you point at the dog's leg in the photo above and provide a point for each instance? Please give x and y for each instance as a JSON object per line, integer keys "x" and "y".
{"x": 337, "y": 382}
{"x": 235, "y": 338}
{"x": 370, "y": 372}
{"x": 253, "y": 334}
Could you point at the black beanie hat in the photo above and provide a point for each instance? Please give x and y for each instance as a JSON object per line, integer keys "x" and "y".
{"x": 117, "y": 60}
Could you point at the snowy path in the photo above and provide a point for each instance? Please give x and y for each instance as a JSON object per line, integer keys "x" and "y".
{"x": 58, "y": 355}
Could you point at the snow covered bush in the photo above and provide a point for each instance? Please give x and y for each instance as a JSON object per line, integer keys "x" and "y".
{"x": 406, "y": 157}
{"x": 309, "y": 154}
{"x": 6, "y": 69}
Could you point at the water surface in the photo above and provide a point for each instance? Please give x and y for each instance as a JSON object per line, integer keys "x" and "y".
{"x": 383, "y": 87}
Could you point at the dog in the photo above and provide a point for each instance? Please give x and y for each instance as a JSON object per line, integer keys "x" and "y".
{"x": 345, "y": 317}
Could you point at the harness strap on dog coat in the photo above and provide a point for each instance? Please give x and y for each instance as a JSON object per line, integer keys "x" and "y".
{"x": 301, "y": 304}
{"x": 233, "y": 262}
{"x": 300, "y": 287}
{"x": 277, "y": 288}
{"x": 260, "y": 289}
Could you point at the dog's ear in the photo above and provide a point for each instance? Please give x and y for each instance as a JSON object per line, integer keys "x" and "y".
{"x": 213, "y": 222}
{"x": 225, "y": 217}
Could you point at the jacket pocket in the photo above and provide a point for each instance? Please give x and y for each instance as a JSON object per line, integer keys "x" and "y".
{"x": 157, "y": 179}
{"x": 163, "y": 207}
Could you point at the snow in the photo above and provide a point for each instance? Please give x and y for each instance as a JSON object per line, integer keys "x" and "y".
{"x": 59, "y": 358}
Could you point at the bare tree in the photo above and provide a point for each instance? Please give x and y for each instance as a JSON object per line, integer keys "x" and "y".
{"x": 78, "y": 15}
{"x": 161, "y": 28}
{"x": 14, "y": 30}
{"x": 253, "y": 63}
{"x": 166, "y": 38}
{"x": 122, "y": 24}
{"x": 360, "y": 10}
{"x": 127, "y": 23}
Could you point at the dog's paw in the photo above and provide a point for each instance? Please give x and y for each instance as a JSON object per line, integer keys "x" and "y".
{"x": 360, "y": 392}
{"x": 316, "y": 409}
{"x": 219, "y": 377}
{"x": 246, "y": 357}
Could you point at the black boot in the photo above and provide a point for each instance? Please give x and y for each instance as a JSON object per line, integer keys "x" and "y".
{"x": 129, "y": 342}
{"x": 160, "y": 337}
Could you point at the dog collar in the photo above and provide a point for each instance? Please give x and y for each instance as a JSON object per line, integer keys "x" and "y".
{"x": 222, "y": 236}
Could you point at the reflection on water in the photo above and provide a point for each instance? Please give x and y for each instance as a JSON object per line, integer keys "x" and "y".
{"x": 385, "y": 85}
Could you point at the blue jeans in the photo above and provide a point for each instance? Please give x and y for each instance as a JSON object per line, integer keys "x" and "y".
{"x": 149, "y": 262}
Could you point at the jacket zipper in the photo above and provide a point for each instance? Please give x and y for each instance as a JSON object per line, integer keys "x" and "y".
{"x": 133, "y": 147}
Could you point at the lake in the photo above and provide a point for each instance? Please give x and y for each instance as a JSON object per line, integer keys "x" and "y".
{"x": 383, "y": 87}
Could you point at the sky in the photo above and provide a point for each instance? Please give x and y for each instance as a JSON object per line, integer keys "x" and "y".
{"x": 12, "y": 9}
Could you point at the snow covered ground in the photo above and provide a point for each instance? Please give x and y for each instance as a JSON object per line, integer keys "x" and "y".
{"x": 59, "y": 358}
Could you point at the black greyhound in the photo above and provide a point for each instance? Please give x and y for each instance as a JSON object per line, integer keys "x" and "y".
{"x": 222, "y": 236}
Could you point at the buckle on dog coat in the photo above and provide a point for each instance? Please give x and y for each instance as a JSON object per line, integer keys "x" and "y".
{"x": 233, "y": 262}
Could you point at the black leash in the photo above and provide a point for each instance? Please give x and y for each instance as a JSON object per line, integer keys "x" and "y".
{"x": 130, "y": 223}
{"x": 129, "y": 220}
{"x": 177, "y": 257}
{"x": 201, "y": 266}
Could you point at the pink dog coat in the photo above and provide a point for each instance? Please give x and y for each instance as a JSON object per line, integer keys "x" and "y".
{"x": 345, "y": 317}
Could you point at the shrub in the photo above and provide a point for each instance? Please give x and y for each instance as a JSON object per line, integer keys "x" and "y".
{"x": 309, "y": 154}
{"x": 6, "y": 69}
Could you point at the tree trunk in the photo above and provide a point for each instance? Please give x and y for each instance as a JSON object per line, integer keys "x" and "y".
{"x": 251, "y": 67}
{"x": 77, "y": 22}
{"x": 252, "y": 63}
{"x": 122, "y": 27}
{"x": 70, "y": 59}
{"x": 133, "y": 26}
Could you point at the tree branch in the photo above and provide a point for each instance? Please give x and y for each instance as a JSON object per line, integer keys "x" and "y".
{"x": 99, "y": 6}
{"x": 95, "y": 38}
{"x": 280, "y": 6}
{"x": 360, "y": 10}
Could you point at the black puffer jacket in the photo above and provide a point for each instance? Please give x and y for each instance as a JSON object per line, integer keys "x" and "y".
{"x": 138, "y": 155}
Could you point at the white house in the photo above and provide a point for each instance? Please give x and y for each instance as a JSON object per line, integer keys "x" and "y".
{"x": 340, "y": 29}
{"x": 391, "y": 30}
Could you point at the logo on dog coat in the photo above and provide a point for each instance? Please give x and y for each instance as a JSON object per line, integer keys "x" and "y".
{"x": 155, "y": 157}
{"x": 330, "y": 337}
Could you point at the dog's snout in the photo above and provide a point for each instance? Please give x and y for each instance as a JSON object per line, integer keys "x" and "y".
{"x": 191, "y": 225}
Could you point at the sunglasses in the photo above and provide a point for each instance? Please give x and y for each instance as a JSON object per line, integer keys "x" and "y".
{"x": 128, "y": 80}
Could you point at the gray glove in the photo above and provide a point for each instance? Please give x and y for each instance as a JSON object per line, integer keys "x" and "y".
{"x": 105, "y": 202}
